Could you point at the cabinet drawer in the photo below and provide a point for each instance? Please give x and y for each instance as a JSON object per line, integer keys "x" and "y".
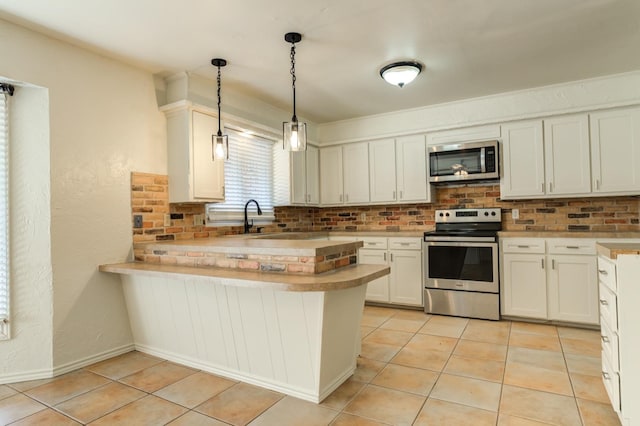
{"x": 405, "y": 243}
{"x": 608, "y": 307}
{"x": 571, "y": 246}
{"x": 609, "y": 346}
{"x": 607, "y": 273}
{"x": 523, "y": 245}
{"x": 374, "y": 243}
{"x": 611, "y": 381}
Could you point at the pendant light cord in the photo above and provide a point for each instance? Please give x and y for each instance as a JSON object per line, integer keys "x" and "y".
{"x": 219, "y": 79}
{"x": 293, "y": 79}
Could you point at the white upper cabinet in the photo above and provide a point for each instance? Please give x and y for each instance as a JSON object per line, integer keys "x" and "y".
{"x": 193, "y": 175}
{"x": 466, "y": 134}
{"x": 382, "y": 170}
{"x": 331, "y": 191}
{"x": 615, "y": 152}
{"x": 412, "y": 170}
{"x": 344, "y": 174}
{"x": 398, "y": 170}
{"x": 522, "y": 160}
{"x": 355, "y": 163}
{"x": 566, "y": 151}
{"x": 304, "y": 176}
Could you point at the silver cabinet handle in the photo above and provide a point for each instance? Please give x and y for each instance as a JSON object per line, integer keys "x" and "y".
{"x": 519, "y": 246}
{"x": 542, "y": 186}
{"x": 401, "y": 195}
{"x": 605, "y": 339}
{"x": 573, "y": 247}
{"x": 553, "y": 264}
{"x": 385, "y": 256}
{"x": 340, "y": 197}
{"x": 405, "y": 244}
{"x": 550, "y": 186}
{"x": 603, "y": 302}
{"x": 392, "y": 257}
{"x": 603, "y": 272}
{"x": 346, "y": 198}
{"x": 542, "y": 263}
{"x": 394, "y": 195}
{"x": 606, "y": 376}
{"x": 597, "y": 184}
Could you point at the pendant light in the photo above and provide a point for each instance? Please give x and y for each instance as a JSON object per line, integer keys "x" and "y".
{"x": 401, "y": 73}
{"x": 220, "y": 142}
{"x": 294, "y": 133}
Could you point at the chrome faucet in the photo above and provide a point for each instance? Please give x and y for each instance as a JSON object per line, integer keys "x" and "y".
{"x": 248, "y": 225}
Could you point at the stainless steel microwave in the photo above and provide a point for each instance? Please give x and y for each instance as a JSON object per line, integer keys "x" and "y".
{"x": 464, "y": 162}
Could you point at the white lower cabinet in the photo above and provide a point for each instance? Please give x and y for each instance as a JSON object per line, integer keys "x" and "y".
{"x": 619, "y": 296}
{"x": 550, "y": 279}
{"x": 403, "y": 286}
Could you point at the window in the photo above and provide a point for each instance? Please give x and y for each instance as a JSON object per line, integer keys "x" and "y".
{"x": 248, "y": 174}
{"x": 5, "y": 91}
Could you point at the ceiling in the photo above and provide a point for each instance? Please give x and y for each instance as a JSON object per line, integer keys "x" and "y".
{"x": 469, "y": 48}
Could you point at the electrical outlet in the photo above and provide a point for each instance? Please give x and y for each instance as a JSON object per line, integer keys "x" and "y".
{"x": 137, "y": 221}
{"x": 198, "y": 219}
{"x": 167, "y": 220}
{"x": 363, "y": 216}
{"x": 515, "y": 213}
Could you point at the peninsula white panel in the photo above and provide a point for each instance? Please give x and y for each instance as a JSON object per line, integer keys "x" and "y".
{"x": 303, "y": 344}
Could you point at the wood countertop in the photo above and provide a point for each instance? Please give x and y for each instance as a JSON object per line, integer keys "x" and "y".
{"x": 347, "y": 277}
{"x": 613, "y": 250}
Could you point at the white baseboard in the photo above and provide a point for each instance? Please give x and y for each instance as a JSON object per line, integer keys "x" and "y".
{"x": 74, "y": 365}
{"x": 295, "y": 391}
{"x": 48, "y": 373}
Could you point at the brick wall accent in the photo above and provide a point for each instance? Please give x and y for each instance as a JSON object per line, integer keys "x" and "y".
{"x": 149, "y": 198}
{"x": 571, "y": 214}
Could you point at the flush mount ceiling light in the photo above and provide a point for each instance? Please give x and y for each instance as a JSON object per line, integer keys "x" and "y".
{"x": 220, "y": 142}
{"x": 400, "y": 73}
{"x": 294, "y": 133}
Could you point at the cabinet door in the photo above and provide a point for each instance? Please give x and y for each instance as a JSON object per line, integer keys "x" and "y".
{"x": 298, "y": 178}
{"x": 382, "y": 170}
{"x": 405, "y": 286}
{"x": 313, "y": 175}
{"x": 522, "y": 159}
{"x": 615, "y": 151}
{"x": 208, "y": 175}
{"x": 355, "y": 166}
{"x": 411, "y": 169}
{"x": 567, "y": 157}
{"x": 378, "y": 289}
{"x": 331, "y": 175}
{"x": 524, "y": 286}
{"x": 573, "y": 289}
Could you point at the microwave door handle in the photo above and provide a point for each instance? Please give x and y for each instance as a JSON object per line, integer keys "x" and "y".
{"x": 483, "y": 166}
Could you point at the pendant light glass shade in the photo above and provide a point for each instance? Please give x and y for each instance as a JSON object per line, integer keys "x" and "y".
{"x": 400, "y": 73}
{"x": 295, "y": 136}
{"x": 294, "y": 133}
{"x": 219, "y": 142}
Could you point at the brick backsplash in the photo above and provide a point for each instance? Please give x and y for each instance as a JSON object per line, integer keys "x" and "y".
{"x": 149, "y": 198}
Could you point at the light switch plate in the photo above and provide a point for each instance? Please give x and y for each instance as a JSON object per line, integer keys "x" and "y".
{"x": 167, "y": 220}
{"x": 515, "y": 213}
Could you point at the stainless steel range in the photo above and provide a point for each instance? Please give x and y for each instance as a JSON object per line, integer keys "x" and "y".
{"x": 461, "y": 264}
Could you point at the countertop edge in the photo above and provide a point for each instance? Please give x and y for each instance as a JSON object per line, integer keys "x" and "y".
{"x": 346, "y": 277}
{"x": 612, "y": 250}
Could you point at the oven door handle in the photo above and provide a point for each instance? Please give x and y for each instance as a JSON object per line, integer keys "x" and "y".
{"x": 460, "y": 244}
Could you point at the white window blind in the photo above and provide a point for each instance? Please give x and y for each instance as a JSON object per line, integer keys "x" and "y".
{"x": 248, "y": 174}
{"x": 4, "y": 216}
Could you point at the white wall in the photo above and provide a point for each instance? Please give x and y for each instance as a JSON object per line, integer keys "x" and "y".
{"x": 104, "y": 123}
{"x": 598, "y": 93}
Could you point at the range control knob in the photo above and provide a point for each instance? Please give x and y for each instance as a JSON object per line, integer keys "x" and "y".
{"x": 441, "y": 214}
{"x": 493, "y": 213}
{"x": 447, "y": 214}
{"x": 486, "y": 213}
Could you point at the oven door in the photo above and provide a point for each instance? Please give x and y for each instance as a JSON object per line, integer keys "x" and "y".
{"x": 470, "y": 266}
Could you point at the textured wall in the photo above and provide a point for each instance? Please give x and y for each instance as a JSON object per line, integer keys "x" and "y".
{"x": 104, "y": 122}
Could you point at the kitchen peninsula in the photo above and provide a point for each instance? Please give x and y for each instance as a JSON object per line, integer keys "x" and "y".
{"x": 282, "y": 313}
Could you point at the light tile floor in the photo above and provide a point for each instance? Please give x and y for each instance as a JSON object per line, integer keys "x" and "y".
{"x": 414, "y": 369}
